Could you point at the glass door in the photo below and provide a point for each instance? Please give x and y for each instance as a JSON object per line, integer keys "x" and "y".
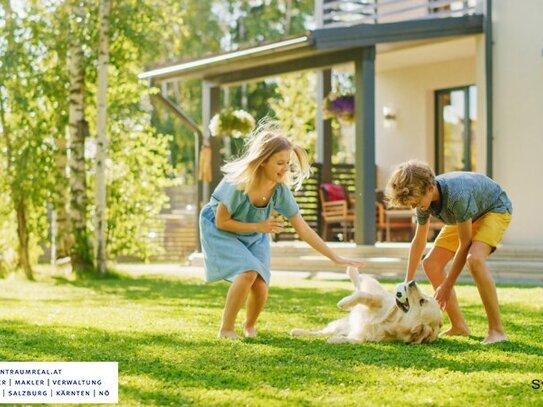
{"x": 456, "y": 118}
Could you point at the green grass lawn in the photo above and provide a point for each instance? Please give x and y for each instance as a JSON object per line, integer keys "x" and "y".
{"x": 161, "y": 329}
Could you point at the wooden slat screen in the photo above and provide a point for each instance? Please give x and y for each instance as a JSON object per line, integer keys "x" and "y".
{"x": 308, "y": 197}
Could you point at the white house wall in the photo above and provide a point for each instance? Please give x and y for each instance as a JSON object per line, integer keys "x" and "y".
{"x": 409, "y": 91}
{"x": 518, "y": 114}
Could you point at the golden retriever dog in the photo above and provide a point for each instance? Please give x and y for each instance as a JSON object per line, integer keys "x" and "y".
{"x": 376, "y": 315}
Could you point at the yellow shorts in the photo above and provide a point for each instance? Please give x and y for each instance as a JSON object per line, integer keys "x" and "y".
{"x": 489, "y": 229}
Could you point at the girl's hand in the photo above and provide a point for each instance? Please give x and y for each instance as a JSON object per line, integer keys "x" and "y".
{"x": 270, "y": 225}
{"x": 345, "y": 261}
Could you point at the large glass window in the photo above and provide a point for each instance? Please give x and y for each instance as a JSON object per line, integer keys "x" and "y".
{"x": 456, "y": 118}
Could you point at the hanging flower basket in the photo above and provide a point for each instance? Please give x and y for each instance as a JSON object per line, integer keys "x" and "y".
{"x": 230, "y": 122}
{"x": 340, "y": 107}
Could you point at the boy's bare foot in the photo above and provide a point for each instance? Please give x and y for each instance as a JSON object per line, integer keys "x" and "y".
{"x": 228, "y": 335}
{"x": 494, "y": 337}
{"x": 456, "y": 331}
{"x": 249, "y": 332}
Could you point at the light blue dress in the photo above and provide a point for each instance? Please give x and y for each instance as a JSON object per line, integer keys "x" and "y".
{"x": 228, "y": 254}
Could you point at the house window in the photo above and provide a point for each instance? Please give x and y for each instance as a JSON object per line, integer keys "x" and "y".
{"x": 456, "y": 118}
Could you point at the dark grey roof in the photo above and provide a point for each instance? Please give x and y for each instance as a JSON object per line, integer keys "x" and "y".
{"x": 317, "y": 49}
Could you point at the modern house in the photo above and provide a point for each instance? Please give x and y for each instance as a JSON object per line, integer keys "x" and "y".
{"x": 456, "y": 83}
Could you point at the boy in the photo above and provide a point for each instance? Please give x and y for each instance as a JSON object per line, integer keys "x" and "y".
{"x": 476, "y": 212}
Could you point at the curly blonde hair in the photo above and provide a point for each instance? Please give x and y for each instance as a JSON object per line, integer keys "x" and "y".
{"x": 266, "y": 140}
{"x": 408, "y": 183}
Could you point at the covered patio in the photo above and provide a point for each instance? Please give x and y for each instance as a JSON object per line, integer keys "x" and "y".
{"x": 318, "y": 50}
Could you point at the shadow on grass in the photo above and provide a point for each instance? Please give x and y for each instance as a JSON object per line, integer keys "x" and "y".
{"x": 174, "y": 367}
{"x": 316, "y": 306}
{"x": 210, "y": 295}
{"x": 153, "y": 288}
{"x": 175, "y": 360}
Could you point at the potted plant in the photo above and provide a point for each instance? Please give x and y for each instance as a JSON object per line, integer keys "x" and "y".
{"x": 340, "y": 107}
{"x": 230, "y": 122}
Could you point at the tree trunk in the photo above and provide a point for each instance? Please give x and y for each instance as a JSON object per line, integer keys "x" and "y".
{"x": 102, "y": 145}
{"x": 81, "y": 251}
{"x": 288, "y": 16}
{"x": 61, "y": 201}
{"x": 16, "y": 194}
{"x": 22, "y": 233}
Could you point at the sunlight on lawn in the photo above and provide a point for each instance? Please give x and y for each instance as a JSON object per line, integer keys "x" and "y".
{"x": 161, "y": 329}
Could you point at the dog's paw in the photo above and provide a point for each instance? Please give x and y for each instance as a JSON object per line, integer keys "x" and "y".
{"x": 354, "y": 275}
{"x": 347, "y": 303}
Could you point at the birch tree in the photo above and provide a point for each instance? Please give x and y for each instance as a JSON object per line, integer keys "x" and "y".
{"x": 25, "y": 145}
{"x": 81, "y": 253}
{"x": 102, "y": 139}
{"x": 8, "y": 98}
{"x": 55, "y": 35}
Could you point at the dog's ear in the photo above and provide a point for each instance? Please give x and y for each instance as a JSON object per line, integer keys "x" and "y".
{"x": 422, "y": 333}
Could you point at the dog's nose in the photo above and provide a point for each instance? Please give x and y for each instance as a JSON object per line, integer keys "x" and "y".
{"x": 412, "y": 284}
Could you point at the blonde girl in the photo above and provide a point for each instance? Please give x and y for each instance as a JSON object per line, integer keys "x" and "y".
{"x": 236, "y": 223}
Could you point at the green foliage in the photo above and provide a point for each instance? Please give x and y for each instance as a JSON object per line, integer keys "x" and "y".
{"x": 138, "y": 167}
{"x": 8, "y": 226}
{"x": 34, "y": 92}
{"x": 35, "y": 98}
{"x": 137, "y": 175}
{"x": 295, "y": 107}
{"x": 207, "y": 27}
{"x": 230, "y": 122}
{"x": 257, "y": 95}
{"x": 28, "y": 103}
{"x": 161, "y": 328}
{"x": 268, "y": 20}
{"x": 184, "y": 30}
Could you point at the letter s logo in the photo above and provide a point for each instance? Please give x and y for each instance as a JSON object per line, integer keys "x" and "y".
{"x": 536, "y": 384}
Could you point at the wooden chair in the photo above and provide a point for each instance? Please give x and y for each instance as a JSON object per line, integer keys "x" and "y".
{"x": 336, "y": 212}
{"x": 385, "y": 227}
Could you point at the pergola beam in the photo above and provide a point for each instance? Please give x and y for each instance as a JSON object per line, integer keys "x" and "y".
{"x": 315, "y": 61}
{"x": 363, "y": 35}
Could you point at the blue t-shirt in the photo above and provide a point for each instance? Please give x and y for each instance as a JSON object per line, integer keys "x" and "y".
{"x": 241, "y": 208}
{"x": 465, "y": 195}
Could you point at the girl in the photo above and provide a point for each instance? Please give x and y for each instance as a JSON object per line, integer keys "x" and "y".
{"x": 235, "y": 224}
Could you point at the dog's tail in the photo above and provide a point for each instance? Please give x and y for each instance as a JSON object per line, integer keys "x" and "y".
{"x": 332, "y": 328}
{"x": 353, "y": 273}
{"x": 304, "y": 332}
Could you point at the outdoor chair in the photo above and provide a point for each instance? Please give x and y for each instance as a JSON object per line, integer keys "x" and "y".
{"x": 391, "y": 222}
{"x": 387, "y": 224}
{"x": 336, "y": 210}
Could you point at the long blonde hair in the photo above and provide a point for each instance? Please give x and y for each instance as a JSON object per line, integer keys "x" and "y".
{"x": 266, "y": 140}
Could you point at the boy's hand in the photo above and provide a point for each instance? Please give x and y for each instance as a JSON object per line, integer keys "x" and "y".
{"x": 442, "y": 294}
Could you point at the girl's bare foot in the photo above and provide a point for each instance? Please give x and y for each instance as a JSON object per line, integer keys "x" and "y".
{"x": 457, "y": 331}
{"x": 494, "y": 337}
{"x": 249, "y": 332}
{"x": 228, "y": 335}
